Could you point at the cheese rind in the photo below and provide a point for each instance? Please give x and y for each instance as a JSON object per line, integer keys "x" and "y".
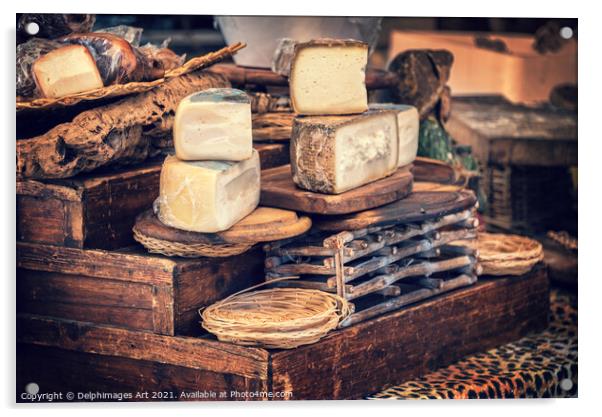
{"x": 65, "y": 71}
{"x": 334, "y": 154}
{"x": 408, "y": 127}
{"x": 327, "y": 76}
{"x": 214, "y": 124}
{"x": 207, "y": 196}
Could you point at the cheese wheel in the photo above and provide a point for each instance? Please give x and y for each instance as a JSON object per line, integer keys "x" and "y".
{"x": 327, "y": 77}
{"x": 65, "y": 71}
{"x": 207, "y": 196}
{"x": 334, "y": 154}
{"x": 408, "y": 127}
{"x": 214, "y": 124}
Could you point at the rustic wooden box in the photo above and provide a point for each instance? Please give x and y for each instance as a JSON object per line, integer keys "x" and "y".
{"x": 98, "y": 210}
{"x": 525, "y": 154}
{"x": 62, "y": 355}
{"x": 128, "y": 288}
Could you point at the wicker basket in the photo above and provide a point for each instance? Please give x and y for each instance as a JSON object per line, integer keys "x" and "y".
{"x": 185, "y": 250}
{"x": 278, "y": 318}
{"x": 501, "y": 254}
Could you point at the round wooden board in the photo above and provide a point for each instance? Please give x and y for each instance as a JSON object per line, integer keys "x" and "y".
{"x": 434, "y": 171}
{"x": 416, "y": 207}
{"x": 279, "y": 190}
{"x": 265, "y": 224}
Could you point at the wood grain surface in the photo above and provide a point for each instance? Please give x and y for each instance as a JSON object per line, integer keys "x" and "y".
{"x": 416, "y": 207}
{"x": 347, "y": 364}
{"x": 279, "y": 190}
{"x": 264, "y": 224}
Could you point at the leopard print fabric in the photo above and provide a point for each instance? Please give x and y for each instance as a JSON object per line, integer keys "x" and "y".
{"x": 542, "y": 365}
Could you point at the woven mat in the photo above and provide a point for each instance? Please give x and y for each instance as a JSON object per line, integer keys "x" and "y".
{"x": 541, "y": 365}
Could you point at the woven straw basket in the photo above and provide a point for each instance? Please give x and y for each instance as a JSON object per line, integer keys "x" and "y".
{"x": 187, "y": 250}
{"x": 501, "y": 254}
{"x": 277, "y": 318}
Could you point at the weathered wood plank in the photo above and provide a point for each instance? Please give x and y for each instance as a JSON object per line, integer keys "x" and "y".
{"x": 504, "y": 133}
{"x": 98, "y": 263}
{"x": 195, "y": 353}
{"x": 279, "y": 190}
{"x": 59, "y": 370}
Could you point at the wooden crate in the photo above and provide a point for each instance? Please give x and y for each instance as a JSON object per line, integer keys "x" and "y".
{"x": 525, "y": 155}
{"x": 522, "y": 75}
{"x": 128, "y": 288}
{"x": 63, "y": 355}
{"x": 98, "y": 210}
{"x": 530, "y": 199}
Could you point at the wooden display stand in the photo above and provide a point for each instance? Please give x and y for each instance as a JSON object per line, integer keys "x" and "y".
{"x": 385, "y": 258}
{"x": 98, "y": 210}
{"x": 128, "y": 288}
{"x": 279, "y": 190}
{"x": 65, "y": 355}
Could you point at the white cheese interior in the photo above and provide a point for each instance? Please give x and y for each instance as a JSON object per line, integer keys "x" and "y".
{"x": 67, "y": 70}
{"x": 213, "y": 131}
{"x": 329, "y": 80}
{"x": 208, "y": 196}
{"x": 366, "y": 150}
{"x": 408, "y": 127}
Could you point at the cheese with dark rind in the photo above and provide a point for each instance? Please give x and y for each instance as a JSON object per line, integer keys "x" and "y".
{"x": 408, "y": 126}
{"x": 327, "y": 77}
{"x": 207, "y": 196}
{"x": 334, "y": 154}
{"x": 65, "y": 71}
{"x": 214, "y": 124}
{"x": 117, "y": 60}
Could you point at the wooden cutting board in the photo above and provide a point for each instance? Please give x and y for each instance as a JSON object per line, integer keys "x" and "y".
{"x": 433, "y": 170}
{"x": 263, "y": 225}
{"x": 416, "y": 207}
{"x": 434, "y": 175}
{"x": 279, "y": 190}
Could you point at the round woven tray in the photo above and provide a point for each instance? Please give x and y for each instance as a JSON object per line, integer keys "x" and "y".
{"x": 189, "y": 250}
{"x": 263, "y": 225}
{"x": 118, "y": 90}
{"x": 501, "y": 254}
{"x": 278, "y": 318}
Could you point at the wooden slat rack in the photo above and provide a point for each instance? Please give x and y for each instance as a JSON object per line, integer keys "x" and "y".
{"x": 379, "y": 268}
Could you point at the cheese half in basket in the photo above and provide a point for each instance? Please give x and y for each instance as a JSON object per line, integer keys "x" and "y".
{"x": 207, "y": 196}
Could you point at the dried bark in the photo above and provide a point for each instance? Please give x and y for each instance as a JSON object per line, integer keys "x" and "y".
{"x": 423, "y": 75}
{"x": 114, "y": 133}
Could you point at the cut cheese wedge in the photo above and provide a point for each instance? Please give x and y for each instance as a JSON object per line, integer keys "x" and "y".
{"x": 214, "y": 124}
{"x": 334, "y": 154}
{"x": 327, "y": 77}
{"x": 65, "y": 71}
{"x": 408, "y": 125}
{"x": 207, "y": 196}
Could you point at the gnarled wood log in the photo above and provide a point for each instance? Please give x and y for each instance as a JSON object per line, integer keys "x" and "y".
{"x": 109, "y": 134}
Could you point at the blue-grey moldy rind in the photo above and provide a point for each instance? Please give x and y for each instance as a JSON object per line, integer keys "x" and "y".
{"x": 216, "y": 95}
